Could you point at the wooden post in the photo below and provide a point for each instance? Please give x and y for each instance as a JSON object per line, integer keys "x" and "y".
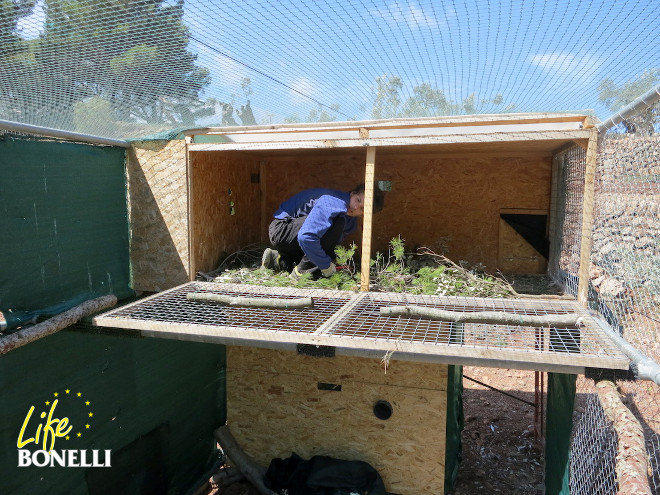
{"x": 192, "y": 254}
{"x": 587, "y": 219}
{"x": 266, "y": 217}
{"x": 368, "y": 216}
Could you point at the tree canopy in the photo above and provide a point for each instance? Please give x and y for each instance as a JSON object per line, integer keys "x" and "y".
{"x": 426, "y": 101}
{"x": 10, "y": 13}
{"x": 135, "y": 71}
{"x": 616, "y": 97}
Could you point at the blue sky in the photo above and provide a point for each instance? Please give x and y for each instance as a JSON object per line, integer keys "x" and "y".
{"x": 540, "y": 55}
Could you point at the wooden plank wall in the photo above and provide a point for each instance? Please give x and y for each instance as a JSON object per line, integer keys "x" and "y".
{"x": 225, "y": 203}
{"x": 436, "y": 199}
{"x": 274, "y": 408}
{"x": 459, "y": 198}
{"x": 158, "y": 214}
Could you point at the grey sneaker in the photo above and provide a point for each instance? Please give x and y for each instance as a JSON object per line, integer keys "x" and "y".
{"x": 295, "y": 274}
{"x": 271, "y": 260}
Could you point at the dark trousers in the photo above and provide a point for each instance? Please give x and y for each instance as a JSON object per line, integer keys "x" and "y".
{"x": 283, "y": 236}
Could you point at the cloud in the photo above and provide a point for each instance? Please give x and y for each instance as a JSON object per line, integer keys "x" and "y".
{"x": 412, "y": 15}
{"x": 582, "y": 69}
{"x": 557, "y": 62}
{"x": 305, "y": 86}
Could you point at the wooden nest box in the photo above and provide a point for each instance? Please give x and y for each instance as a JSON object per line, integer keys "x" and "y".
{"x": 462, "y": 186}
{"x": 458, "y": 185}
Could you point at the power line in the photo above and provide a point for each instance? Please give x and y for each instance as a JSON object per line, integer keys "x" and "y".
{"x": 274, "y": 79}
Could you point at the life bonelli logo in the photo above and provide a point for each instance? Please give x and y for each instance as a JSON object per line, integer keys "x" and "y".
{"x": 66, "y": 419}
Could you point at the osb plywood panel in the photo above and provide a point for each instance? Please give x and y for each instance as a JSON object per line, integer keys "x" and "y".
{"x": 158, "y": 214}
{"x": 516, "y": 255}
{"x": 438, "y": 201}
{"x": 456, "y": 201}
{"x": 274, "y": 408}
{"x": 400, "y": 373}
{"x": 225, "y": 206}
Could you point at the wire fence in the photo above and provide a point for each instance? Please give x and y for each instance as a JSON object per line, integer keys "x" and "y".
{"x": 593, "y": 452}
{"x": 653, "y": 448}
{"x": 624, "y": 275}
{"x": 566, "y": 219}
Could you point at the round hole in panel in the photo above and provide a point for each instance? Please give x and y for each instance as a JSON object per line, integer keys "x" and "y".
{"x": 383, "y": 410}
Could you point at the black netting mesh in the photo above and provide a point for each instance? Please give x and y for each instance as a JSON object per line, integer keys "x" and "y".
{"x": 131, "y": 68}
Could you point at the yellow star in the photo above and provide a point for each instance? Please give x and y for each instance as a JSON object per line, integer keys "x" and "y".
{"x": 87, "y": 426}
{"x": 67, "y": 437}
{"x": 48, "y": 403}
{"x": 87, "y": 403}
{"x": 55, "y": 394}
{"x": 91, "y": 414}
{"x": 79, "y": 394}
{"x": 67, "y": 390}
{"x": 79, "y": 434}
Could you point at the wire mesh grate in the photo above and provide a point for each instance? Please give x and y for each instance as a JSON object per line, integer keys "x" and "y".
{"x": 174, "y": 307}
{"x": 349, "y": 319}
{"x": 566, "y": 227}
{"x": 365, "y": 321}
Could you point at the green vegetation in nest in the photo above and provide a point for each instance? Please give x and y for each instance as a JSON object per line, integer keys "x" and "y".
{"x": 421, "y": 272}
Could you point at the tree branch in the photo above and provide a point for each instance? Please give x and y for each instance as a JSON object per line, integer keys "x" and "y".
{"x": 252, "y": 302}
{"x": 253, "y": 472}
{"x": 631, "y": 458}
{"x": 55, "y": 324}
{"x": 487, "y": 317}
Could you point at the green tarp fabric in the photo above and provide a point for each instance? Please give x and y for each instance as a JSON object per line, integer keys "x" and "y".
{"x": 135, "y": 387}
{"x": 64, "y": 223}
{"x": 559, "y": 424}
{"x": 455, "y": 425}
{"x": 155, "y": 403}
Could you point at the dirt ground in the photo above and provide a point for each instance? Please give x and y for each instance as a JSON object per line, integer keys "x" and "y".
{"x": 500, "y": 454}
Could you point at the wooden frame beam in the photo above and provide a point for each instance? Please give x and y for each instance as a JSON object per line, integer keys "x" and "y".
{"x": 405, "y": 140}
{"x": 586, "y": 240}
{"x": 456, "y": 120}
{"x": 369, "y": 175}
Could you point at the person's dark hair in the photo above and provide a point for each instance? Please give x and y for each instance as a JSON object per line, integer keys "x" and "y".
{"x": 379, "y": 196}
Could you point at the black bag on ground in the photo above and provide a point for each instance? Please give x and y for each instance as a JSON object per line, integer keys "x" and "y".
{"x": 322, "y": 475}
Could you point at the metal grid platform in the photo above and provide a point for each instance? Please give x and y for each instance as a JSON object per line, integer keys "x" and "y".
{"x": 352, "y": 323}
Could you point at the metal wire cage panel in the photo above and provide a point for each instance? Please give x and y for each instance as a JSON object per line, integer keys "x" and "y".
{"x": 352, "y": 323}
{"x": 593, "y": 452}
{"x": 170, "y": 313}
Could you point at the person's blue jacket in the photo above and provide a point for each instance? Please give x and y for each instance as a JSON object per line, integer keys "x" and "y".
{"x": 320, "y": 206}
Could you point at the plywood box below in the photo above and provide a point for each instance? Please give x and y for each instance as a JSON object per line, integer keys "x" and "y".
{"x": 280, "y": 402}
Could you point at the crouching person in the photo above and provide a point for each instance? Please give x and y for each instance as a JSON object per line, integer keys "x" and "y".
{"x": 308, "y": 226}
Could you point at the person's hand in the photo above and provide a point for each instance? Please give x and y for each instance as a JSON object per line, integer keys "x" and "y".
{"x": 329, "y": 272}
